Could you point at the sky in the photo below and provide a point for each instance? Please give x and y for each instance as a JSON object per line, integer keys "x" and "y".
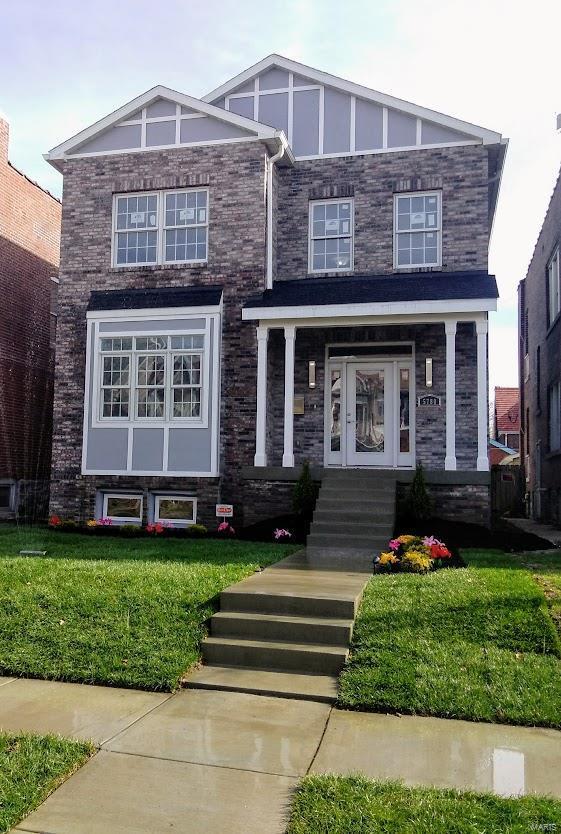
{"x": 494, "y": 63}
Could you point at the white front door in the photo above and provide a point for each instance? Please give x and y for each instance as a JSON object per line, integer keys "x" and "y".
{"x": 370, "y": 409}
{"x": 369, "y": 416}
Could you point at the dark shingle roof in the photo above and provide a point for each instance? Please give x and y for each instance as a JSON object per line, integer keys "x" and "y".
{"x": 420, "y": 286}
{"x": 154, "y": 298}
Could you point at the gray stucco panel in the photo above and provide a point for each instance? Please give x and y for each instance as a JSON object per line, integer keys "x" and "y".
{"x": 207, "y": 129}
{"x": 114, "y": 139}
{"x": 368, "y": 125}
{"x": 148, "y": 449}
{"x": 189, "y": 450}
{"x": 273, "y": 79}
{"x": 107, "y": 449}
{"x": 151, "y": 326}
{"x": 242, "y": 106}
{"x": 432, "y": 133}
{"x": 273, "y": 110}
{"x": 402, "y": 129}
{"x": 161, "y": 107}
{"x": 336, "y": 121}
{"x": 160, "y": 133}
{"x": 305, "y": 140}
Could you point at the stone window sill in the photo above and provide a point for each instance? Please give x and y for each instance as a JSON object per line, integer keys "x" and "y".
{"x": 159, "y": 267}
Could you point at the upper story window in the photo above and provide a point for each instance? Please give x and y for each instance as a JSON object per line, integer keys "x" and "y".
{"x": 152, "y": 378}
{"x": 331, "y": 236}
{"x": 554, "y": 417}
{"x": 161, "y": 227}
{"x": 417, "y": 230}
{"x": 553, "y": 288}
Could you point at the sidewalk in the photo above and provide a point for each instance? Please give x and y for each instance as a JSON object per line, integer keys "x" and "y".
{"x": 545, "y": 531}
{"x": 204, "y": 761}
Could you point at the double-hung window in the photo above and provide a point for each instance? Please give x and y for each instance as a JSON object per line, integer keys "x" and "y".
{"x": 331, "y": 236}
{"x": 554, "y": 417}
{"x": 553, "y": 288}
{"x": 162, "y": 227}
{"x": 417, "y": 230}
{"x": 156, "y": 377}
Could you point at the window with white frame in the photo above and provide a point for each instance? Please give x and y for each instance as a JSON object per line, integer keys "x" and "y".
{"x": 160, "y": 227}
{"x": 553, "y": 288}
{"x": 417, "y": 230}
{"x": 331, "y": 236}
{"x": 156, "y": 377}
{"x": 176, "y": 509}
{"x": 122, "y": 509}
{"x": 554, "y": 420}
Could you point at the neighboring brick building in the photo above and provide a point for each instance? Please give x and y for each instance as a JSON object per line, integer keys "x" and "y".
{"x": 29, "y": 259}
{"x": 506, "y": 418}
{"x": 539, "y": 306}
{"x": 233, "y": 294}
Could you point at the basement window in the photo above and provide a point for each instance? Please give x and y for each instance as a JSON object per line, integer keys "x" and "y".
{"x": 180, "y": 510}
{"x": 122, "y": 509}
{"x": 7, "y": 495}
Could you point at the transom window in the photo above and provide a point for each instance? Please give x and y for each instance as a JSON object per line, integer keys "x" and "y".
{"x": 553, "y": 287}
{"x": 417, "y": 230}
{"x": 152, "y": 377}
{"x": 331, "y": 236}
{"x": 160, "y": 227}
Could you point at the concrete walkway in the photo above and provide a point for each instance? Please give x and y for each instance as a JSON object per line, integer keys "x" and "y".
{"x": 547, "y": 532}
{"x": 215, "y": 762}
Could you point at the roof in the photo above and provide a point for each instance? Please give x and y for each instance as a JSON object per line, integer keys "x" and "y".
{"x": 507, "y": 409}
{"x": 257, "y": 130}
{"x": 429, "y": 286}
{"x": 144, "y": 299}
{"x": 274, "y": 60}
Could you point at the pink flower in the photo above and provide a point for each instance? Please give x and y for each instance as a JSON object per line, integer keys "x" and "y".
{"x": 106, "y": 522}
{"x": 226, "y": 528}
{"x": 429, "y": 541}
{"x": 394, "y": 544}
{"x": 281, "y": 533}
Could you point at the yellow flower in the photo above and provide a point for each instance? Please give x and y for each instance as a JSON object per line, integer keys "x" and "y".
{"x": 417, "y": 561}
{"x": 387, "y": 559}
{"x": 406, "y": 539}
{"x": 91, "y": 523}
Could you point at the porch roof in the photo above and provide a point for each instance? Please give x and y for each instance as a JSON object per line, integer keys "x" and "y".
{"x": 372, "y": 289}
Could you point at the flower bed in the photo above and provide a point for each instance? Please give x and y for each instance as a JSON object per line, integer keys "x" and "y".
{"x": 413, "y": 554}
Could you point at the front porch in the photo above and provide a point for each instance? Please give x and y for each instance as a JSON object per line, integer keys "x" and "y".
{"x": 382, "y": 392}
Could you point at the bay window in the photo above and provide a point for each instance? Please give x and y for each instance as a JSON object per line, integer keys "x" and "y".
{"x": 160, "y": 227}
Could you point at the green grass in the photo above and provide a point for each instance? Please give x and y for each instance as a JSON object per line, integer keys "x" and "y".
{"x": 476, "y": 643}
{"x": 355, "y": 805}
{"x": 113, "y": 611}
{"x": 31, "y": 767}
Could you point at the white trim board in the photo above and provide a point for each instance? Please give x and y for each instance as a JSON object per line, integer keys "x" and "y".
{"x": 488, "y": 137}
{"x": 410, "y": 309}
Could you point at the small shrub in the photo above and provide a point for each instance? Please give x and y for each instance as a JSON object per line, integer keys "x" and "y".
{"x": 68, "y": 524}
{"x": 130, "y": 530}
{"x": 305, "y": 493}
{"x": 196, "y": 531}
{"x": 418, "y": 502}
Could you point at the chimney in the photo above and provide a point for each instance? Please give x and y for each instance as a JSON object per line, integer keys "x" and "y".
{"x": 4, "y": 140}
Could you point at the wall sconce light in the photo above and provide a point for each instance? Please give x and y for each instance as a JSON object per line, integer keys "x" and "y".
{"x": 311, "y": 373}
{"x": 428, "y": 372}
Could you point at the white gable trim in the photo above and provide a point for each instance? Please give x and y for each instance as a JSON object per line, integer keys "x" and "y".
{"x": 488, "y": 137}
{"x": 255, "y": 130}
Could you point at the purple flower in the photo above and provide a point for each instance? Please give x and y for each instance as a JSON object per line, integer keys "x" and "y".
{"x": 281, "y": 533}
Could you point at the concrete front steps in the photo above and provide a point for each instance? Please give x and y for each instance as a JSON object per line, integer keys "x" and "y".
{"x": 355, "y": 510}
{"x": 285, "y": 631}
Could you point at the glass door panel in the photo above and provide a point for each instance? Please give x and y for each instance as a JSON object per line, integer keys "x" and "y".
{"x": 369, "y": 414}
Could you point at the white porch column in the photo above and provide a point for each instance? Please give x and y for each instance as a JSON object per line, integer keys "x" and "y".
{"x": 261, "y": 413}
{"x": 481, "y": 328}
{"x": 450, "y": 459}
{"x": 289, "y": 339}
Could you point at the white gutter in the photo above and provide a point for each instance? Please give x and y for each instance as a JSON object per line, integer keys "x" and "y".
{"x": 270, "y": 166}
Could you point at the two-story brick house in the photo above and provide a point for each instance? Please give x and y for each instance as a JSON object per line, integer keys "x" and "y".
{"x": 539, "y": 308}
{"x": 29, "y": 257}
{"x": 292, "y": 268}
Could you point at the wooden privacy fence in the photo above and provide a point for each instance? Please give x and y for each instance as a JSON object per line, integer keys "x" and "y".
{"x": 507, "y": 490}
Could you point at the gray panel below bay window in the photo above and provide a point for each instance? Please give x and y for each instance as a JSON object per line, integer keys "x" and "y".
{"x": 189, "y": 450}
{"x": 147, "y": 449}
{"x": 305, "y": 132}
{"x": 336, "y": 121}
{"x": 161, "y": 107}
{"x": 242, "y": 106}
{"x": 107, "y": 449}
{"x": 160, "y": 133}
{"x": 209, "y": 129}
{"x": 273, "y": 79}
{"x": 402, "y": 129}
{"x": 151, "y": 326}
{"x": 116, "y": 138}
{"x": 273, "y": 110}
{"x": 368, "y": 125}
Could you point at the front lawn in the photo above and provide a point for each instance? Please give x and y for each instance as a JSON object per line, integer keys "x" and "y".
{"x": 113, "y": 611}
{"x": 355, "y": 805}
{"x": 31, "y": 767}
{"x": 476, "y": 643}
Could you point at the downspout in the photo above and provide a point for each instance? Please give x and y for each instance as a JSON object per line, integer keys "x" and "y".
{"x": 270, "y": 166}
